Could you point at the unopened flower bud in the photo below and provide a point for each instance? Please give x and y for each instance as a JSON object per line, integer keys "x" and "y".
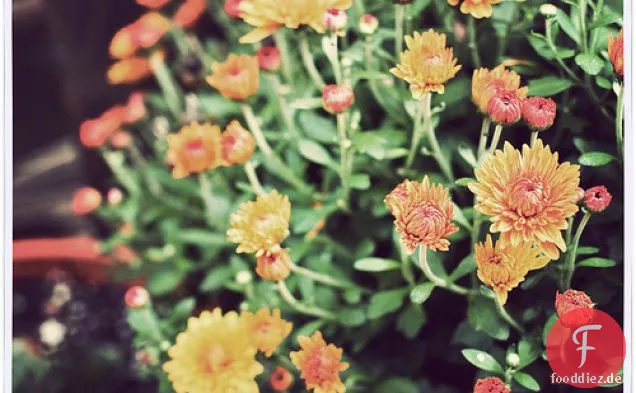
{"x": 85, "y": 201}
{"x": 513, "y": 359}
{"x": 548, "y": 10}
{"x": 580, "y": 194}
{"x": 273, "y": 265}
{"x": 337, "y": 98}
{"x": 597, "y": 199}
{"x": 243, "y": 277}
{"x": 368, "y": 24}
{"x": 335, "y": 19}
{"x": 539, "y": 113}
{"x": 269, "y": 58}
{"x": 281, "y": 379}
{"x": 504, "y": 107}
{"x": 136, "y": 297}
{"x": 237, "y": 144}
{"x": 114, "y": 196}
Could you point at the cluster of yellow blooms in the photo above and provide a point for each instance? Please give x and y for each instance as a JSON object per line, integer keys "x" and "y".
{"x": 217, "y": 354}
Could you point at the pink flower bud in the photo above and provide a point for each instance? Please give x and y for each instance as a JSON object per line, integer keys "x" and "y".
{"x": 335, "y": 19}
{"x": 539, "y": 112}
{"x": 368, "y": 24}
{"x": 337, "y": 98}
{"x": 136, "y": 297}
{"x": 269, "y": 58}
{"x": 504, "y": 107}
{"x": 597, "y": 199}
{"x": 231, "y": 8}
{"x": 85, "y": 201}
{"x": 114, "y": 196}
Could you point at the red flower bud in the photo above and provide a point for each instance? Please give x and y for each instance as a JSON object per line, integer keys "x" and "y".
{"x": 231, "y": 8}
{"x": 337, "y": 98}
{"x": 189, "y": 12}
{"x": 597, "y": 199}
{"x": 335, "y": 19}
{"x": 136, "y": 297}
{"x": 504, "y": 107}
{"x": 573, "y": 307}
{"x": 490, "y": 385}
{"x": 281, "y": 379}
{"x": 85, "y": 201}
{"x": 539, "y": 112}
{"x": 269, "y": 58}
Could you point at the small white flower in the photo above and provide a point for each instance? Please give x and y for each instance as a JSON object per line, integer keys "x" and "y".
{"x": 52, "y": 332}
{"x": 243, "y": 277}
{"x": 513, "y": 359}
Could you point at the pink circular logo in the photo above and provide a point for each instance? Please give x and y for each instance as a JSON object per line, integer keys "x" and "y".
{"x": 586, "y": 349}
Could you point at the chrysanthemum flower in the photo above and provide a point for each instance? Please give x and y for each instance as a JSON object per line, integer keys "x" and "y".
{"x": 504, "y": 107}
{"x": 571, "y": 300}
{"x": 237, "y": 78}
{"x": 597, "y": 199}
{"x": 85, "y": 201}
{"x": 189, "y": 13}
{"x": 502, "y": 267}
{"x": 423, "y": 214}
{"x": 129, "y": 70}
{"x": 487, "y": 82}
{"x": 281, "y": 379}
{"x": 539, "y": 113}
{"x": 337, "y": 98}
{"x": 528, "y": 196}
{"x": 491, "y": 385}
{"x": 261, "y": 224}
{"x": 477, "y": 8}
{"x": 427, "y": 64}
{"x": 268, "y": 16}
{"x": 274, "y": 264}
{"x": 123, "y": 44}
{"x": 615, "y": 51}
{"x": 149, "y": 29}
{"x": 269, "y": 58}
{"x": 95, "y": 132}
{"x": 267, "y": 330}
{"x": 214, "y": 355}
{"x": 319, "y": 364}
{"x": 196, "y": 148}
{"x": 237, "y": 144}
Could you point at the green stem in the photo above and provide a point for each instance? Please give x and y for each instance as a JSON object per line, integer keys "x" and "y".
{"x": 503, "y": 41}
{"x": 572, "y": 249}
{"x": 168, "y": 85}
{"x": 441, "y": 159}
{"x": 334, "y": 58}
{"x": 418, "y": 129}
{"x": 322, "y": 278}
{"x": 582, "y": 14}
{"x": 300, "y": 307}
{"x": 252, "y": 123}
{"x": 368, "y": 52}
{"x": 619, "y": 120}
{"x": 495, "y": 139}
{"x": 507, "y": 317}
{"x": 284, "y": 109}
{"x": 308, "y": 61}
{"x": 250, "y": 171}
{"x": 552, "y": 46}
{"x": 151, "y": 320}
{"x": 472, "y": 42}
{"x": 208, "y": 198}
{"x": 483, "y": 138}
{"x": 286, "y": 64}
{"x": 115, "y": 162}
{"x": 400, "y": 11}
{"x": 345, "y": 146}
{"x": 568, "y": 232}
{"x": 138, "y": 158}
{"x": 438, "y": 281}
{"x": 533, "y": 137}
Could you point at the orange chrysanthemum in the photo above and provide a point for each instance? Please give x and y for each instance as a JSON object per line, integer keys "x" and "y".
{"x": 274, "y": 264}
{"x": 423, "y": 214}
{"x": 123, "y": 44}
{"x": 528, "y": 196}
{"x": 237, "y": 144}
{"x": 477, "y": 8}
{"x": 149, "y": 29}
{"x": 214, "y": 355}
{"x": 615, "y": 51}
{"x": 267, "y": 330}
{"x": 268, "y": 16}
{"x": 237, "y": 78}
{"x": 261, "y": 225}
{"x": 319, "y": 364}
{"x": 487, "y": 82}
{"x": 502, "y": 267}
{"x": 196, "y": 148}
{"x": 189, "y": 13}
{"x": 427, "y": 64}
{"x": 130, "y": 70}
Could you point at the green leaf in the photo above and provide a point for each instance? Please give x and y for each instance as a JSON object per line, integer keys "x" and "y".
{"x": 528, "y": 353}
{"x": 216, "y": 278}
{"x": 568, "y": 27}
{"x": 467, "y": 153}
{"x": 527, "y": 381}
{"x": 548, "y": 86}
{"x": 356, "y": 76}
{"x": 318, "y": 127}
{"x": 183, "y": 309}
{"x": 397, "y": 385}
{"x": 383, "y": 303}
{"x": 603, "y": 82}
{"x": 376, "y": 264}
{"x": 465, "y": 267}
{"x": 590, "y": 63}
{"x": 165, "y": 281}
{"x": 351, "y": 316}
{"x": 482, "y": 360}
{"x": 138, "y": 319}
{"x": 217, "y": 106}
{"x": 548, "y": 325}
{"x": 587, "y": 250}
{"x": 421, "y": 292}
{"x": 595, "y": 159}
{"x": 360, "y": 181}
{"x": 464, "y": 181}
{"x": 607, "y": 17}
{"x": 201, "y": 237}
{"x": 483, "y": 317}
{"x": 315, "y": 152}
{"x": 411, "y": 321}
{"x": 597, "y": 262}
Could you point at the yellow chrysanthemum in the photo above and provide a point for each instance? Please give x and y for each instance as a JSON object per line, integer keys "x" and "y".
{"x": 260, "y": 225}
{"x": 237, "y": 78}
{"x": 196, "y": 148}
{"x": 214, "y": 355}
{"x": 319, "y": 364}
{"x": 486, "y": 83}
{"x": 423, "y": 214}
{"x": 528, "y": 196}
{"x": 427, "y": 64}
{"x": 269, "y": 16}
{"x": 503, "y": 267}
{"x": 267, "y": 330}
{"x": 477, "y": 8}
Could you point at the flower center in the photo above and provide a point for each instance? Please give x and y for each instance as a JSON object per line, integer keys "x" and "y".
{"x": 195, "y": 148}
{"x": 234, "y": 71}
{"x": 527, "y": 196}
{"x": 320, "y": 368}
{"x": 216, "y": 360}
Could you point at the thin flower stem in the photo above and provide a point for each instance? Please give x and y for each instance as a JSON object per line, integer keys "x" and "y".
{"x": 495, "y": 139}
{"x": 417, "y": 131}
{"x": 619, "y": 120}
{"x": 171, "y": 91}
{"x": 508, "y": 318}
{"x": 438, "y": 281}
{"x": 548, "y": 34}
{"x": 283, "y": 47}
{"x": 308, "y": 61}
{"x": 208, "y": 198}
{"x": 483, "y": 137}
{"x": 138, "y": 158}
{"x": 322, "y": 278}
{"x": 345, "y": 169}
{"x": 368, "y": 52}
{"x": 284, "y": 109}
{"x": 472, "y": 42}
{"x": 568, "y": 232}
{"x": 250, "y": 171}
{"x": 400, "y": 12}
{"x": 115, "y": 162}
{"x": 582, "y": 14}
{"x": 442, "y": 161}
{"x": 572, "y": 249}
{"x": 335, "y": 58}
{"x": 533, "y": 137}
{"x": 300, "y": 307}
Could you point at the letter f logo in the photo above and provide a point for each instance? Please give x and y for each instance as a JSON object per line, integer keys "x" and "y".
{"x": 583, "y": 345}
